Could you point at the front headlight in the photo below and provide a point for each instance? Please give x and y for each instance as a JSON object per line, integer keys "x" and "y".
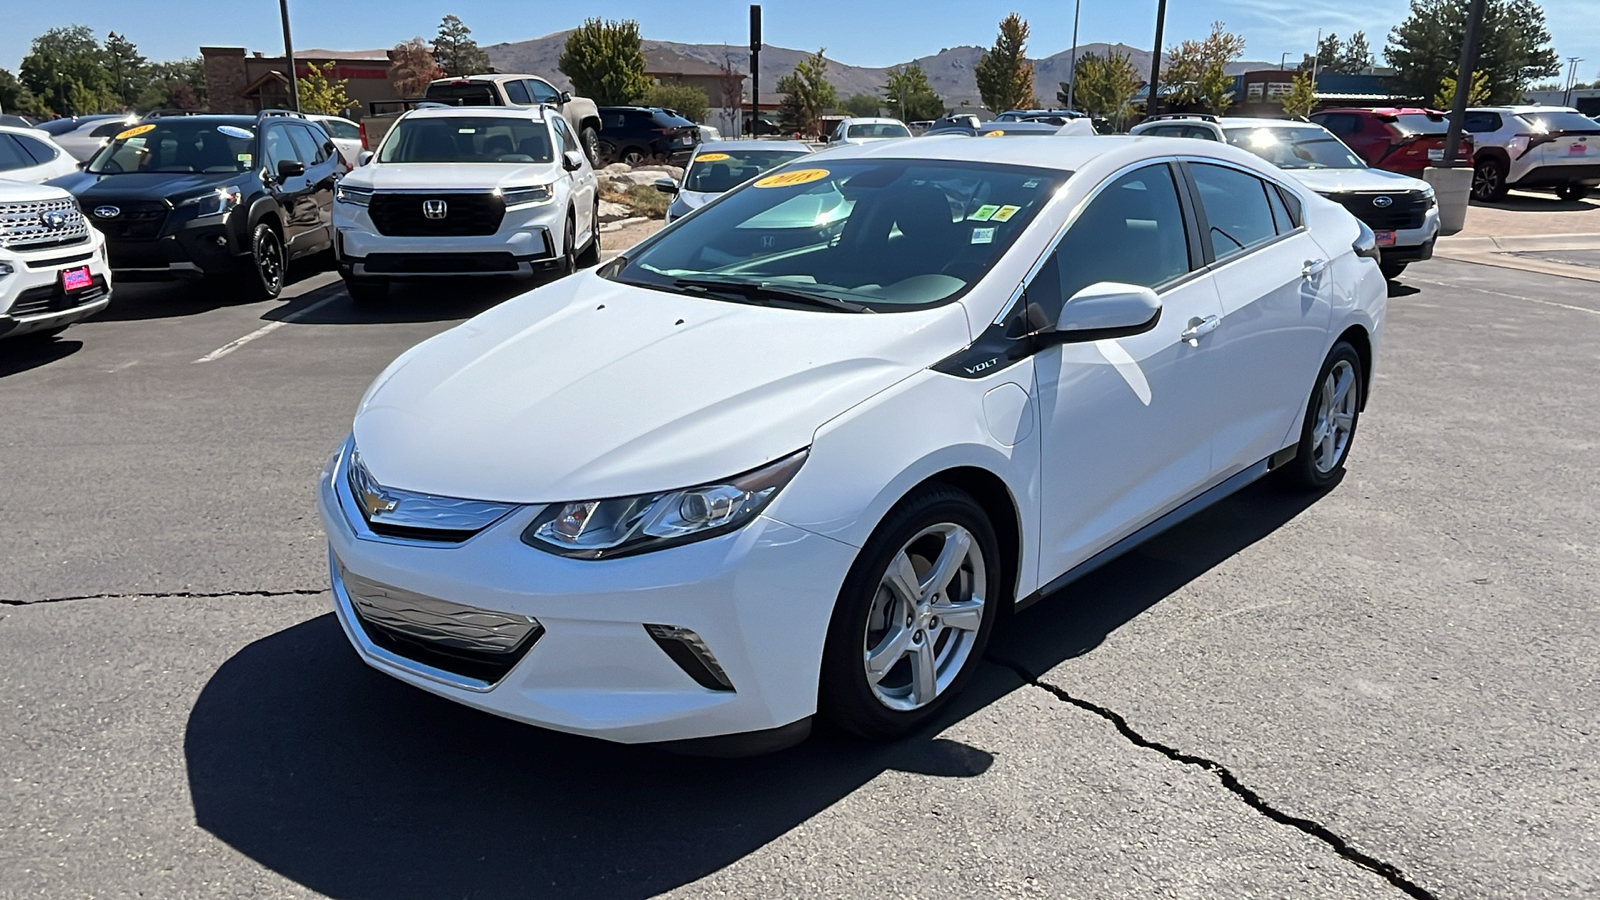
{"x": 527, "y": 196}
{"x": 596, "y": 529}
{"x": 214, "y": 203}
{"x": 344, "y": 193}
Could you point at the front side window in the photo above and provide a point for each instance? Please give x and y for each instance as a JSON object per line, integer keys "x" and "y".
{"x": 716, "y": 172}
{"x": 517, "y": 92}
{"x": 1303, "y": 147}
{"x": 564, "y": 134}
{"x": 541, "y": 92}
{"x": 1132, "y": 232}
{"x": 464, "y": 139}
{"x": 308, "y": 145}
{"x": 280, "y": 147}
{"x": 882, "y": 235}
{"x": 178, "y": 144}
{"x": 1237, "y": 211}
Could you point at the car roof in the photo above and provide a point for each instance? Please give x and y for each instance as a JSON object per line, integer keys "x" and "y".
{"x": 719, "y": 146}
{"x": 29, "y": 130}
{"x": 477, "y": 112}
{"x": 485, "y": 77}
{"x": 1519, "y": 110}
{"x": 318, "y": 116}
{"x": 871, "y": 120}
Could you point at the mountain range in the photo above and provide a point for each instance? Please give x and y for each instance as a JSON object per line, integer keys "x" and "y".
{"x": 950, "y": 71}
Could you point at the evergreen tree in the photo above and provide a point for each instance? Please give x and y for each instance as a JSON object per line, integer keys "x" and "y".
{"x": 1004, "y": 75}
{"x": 909, "y": 93}
{"x": 1514, "y": 49}
{"x": 807, "y": 96}
{"x": 605, "y": 60}
{"x": 127, "y": 68}
{"x": 456, "y": 52}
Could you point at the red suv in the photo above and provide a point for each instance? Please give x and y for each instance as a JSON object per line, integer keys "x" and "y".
{"x": 1396, "y": 139}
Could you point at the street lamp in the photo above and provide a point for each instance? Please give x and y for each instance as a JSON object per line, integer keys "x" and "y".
{"x": 1155, "y": 60}
{"x": 1072, "y": 78}
{"x": 1283, "y": 59}
{"x": 288, "y": 53}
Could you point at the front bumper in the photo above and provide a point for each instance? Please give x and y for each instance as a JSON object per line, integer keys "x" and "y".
{"x": 1413, "y": 244}
{"x": 759, "y": 598}
{"x": 192, "y": 248}
{"x": 31, "y": 298}
{"x": 525, "y": 243}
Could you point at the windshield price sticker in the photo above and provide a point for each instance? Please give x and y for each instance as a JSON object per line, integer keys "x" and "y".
{"x": 1004, "y": 213}
{"x": 983, "y": 235}
{"x": 135, "y": 131}
{"x": 233, "y": 131}
{"x": 996, "y": 133}
{"x": 984, "y": 213}
{"x": 790, "y": 179}
{"x": 245, "y": 159}
{"x": 712, "y": 157}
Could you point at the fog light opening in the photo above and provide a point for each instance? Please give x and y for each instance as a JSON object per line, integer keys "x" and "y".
{"x": 690, "y": 652}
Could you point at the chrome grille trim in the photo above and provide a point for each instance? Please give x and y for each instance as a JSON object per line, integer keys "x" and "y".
{"x": 415, "y": 519}
{"x": 424, "y": 618}
{"x": 21, "y": 225}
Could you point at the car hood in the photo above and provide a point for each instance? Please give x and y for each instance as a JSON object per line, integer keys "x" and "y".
{"x": 448, "y": 176}
{"x": 12, "y": 191}
{"x": 147, "y": 185}
{"x": 1331, "y": 181}
{"x": 588, "y": 389}
{"x": 696, "y": 199}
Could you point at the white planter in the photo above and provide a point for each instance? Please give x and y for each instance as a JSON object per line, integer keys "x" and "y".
{"x": 1452, "y": 188}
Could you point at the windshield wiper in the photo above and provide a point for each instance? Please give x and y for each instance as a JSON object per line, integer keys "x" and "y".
{"x": 758, "y": 291}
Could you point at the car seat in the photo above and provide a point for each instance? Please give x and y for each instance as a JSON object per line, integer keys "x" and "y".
{"x": 496, "y": 146}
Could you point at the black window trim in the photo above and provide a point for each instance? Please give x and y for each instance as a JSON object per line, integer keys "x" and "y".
{"x": 1204, "y": 225}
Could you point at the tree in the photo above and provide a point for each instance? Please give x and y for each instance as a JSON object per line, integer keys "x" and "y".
{"x": 1302, "y": 96}
{"x": 1477, "y": 93}
{"x": 322, "y": 95}
{"x": 412, "y": 67}
{"x": 910, "y": 94}
{"x": 605, "y": 60}
{"x": 1105, "y": 85}
{"x": 173, "y": 84}
{"x": 1514, "y": 47}
{"x": 807, "y": 95}
{"x": 1005, "y": 77}
{"x": 1198, "y": 70}
{"x": 861, "y": 105}
{"x": 66, "y": 69}
{"x": 456, "y": 52}
{"x": 1349, "y": 57}
{"x": 127, "y": 68}
{"x": 15, "y": 98}
{"x": 684, "y": 99}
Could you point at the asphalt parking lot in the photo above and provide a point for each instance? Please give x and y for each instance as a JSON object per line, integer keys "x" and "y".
{"x": 1388, "y": 690}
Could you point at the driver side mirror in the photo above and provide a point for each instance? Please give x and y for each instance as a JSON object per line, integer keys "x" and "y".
{"x": 364, "y": 157}
{"x": 666, "y": 186}
{"x": 572, "y": 160}
{"x": 290, "y": 168}
{"x": 564, "y": 97}
{"x": 1104, "y": 310}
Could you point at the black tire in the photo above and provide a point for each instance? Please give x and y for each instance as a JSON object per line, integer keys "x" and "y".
{"x": 1489, "y": 179}
{"x": 589, "y": 139}
{"x": 1573, "y": 191}
{"x": 589, "y": 257}
{"x": 568, "y": 263}
{"x": 367, "y": 291}
{"x": 268, "y": 264}
{"x": 845, "y": 696}
{"x": 1311, "y": 467}
{"x": 1391, "y": 270}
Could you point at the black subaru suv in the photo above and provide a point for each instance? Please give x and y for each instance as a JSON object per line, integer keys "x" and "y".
{"x": 231, "y": 197}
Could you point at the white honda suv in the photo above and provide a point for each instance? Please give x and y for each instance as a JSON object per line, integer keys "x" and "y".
{"x": 467, "y": 191}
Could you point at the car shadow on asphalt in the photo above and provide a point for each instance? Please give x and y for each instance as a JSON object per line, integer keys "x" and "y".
{"x": 18, "y": 355}
{"x": 1537, "y": 202}
{"x": 433, "y": 300}
{"x": 134, "y": 301}
{"x": 358, "y": 786}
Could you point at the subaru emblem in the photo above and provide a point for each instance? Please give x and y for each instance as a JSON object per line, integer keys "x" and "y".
{"x": 1383, "y": 202}
{"x": 434, "y": 209}
{"x": 53, "y": 220}
{"x": 107, "y": 212}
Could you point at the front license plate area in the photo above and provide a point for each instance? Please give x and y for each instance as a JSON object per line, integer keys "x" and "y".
{"x": 77, "y": 279}
{"x": 1385, "y": 238}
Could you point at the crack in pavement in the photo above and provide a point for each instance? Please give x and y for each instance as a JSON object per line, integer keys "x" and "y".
{"x": 1388, "y": 871}
{"x": 169, "y": 595}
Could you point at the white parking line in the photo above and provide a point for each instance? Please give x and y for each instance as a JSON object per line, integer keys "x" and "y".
{"x": 266, "y": 329}
{"x": 1583, "y": 309}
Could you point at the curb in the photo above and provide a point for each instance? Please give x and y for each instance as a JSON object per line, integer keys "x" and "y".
{"x": 1496, "y": 251}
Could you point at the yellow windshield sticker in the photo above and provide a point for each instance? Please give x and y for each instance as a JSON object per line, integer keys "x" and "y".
{"x": 995, "y": 133}
{"x": 1004, "y": 213}
{"x": 135, "y": 131}
{"x": 984, "y": 213}
{"x": 790, "y": 179}
{"x": 712, "y": 157}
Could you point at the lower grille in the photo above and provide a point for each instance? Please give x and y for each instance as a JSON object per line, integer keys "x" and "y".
{"x": 1406, "y": 209}
{"x": 438, "y": 263}
{"x": 51, "y": 298}
{"x": 455, "y": 215}
{"x": 462, "y": 640}
{"x": 135, "y": 219}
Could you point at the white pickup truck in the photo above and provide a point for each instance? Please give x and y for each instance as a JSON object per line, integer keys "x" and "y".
{"x": 582, "y": 116}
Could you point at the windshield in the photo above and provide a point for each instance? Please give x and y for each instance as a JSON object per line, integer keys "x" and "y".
{"x": 1296, "y": 148}
{"x": 879, "y": 130}
{"x": 467, "y": 139}
{"x": 1546, "y": 122}
{"x": 883, "y": 235}
{"x": 177, "y": 145}
{"x": 713, "y": 173}
{"x": 1422, "y": 123}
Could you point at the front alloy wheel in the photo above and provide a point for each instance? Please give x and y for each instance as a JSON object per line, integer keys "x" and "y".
{"x": 914, "y": 615}
{"x": 264, "y": 281}
{"x": 1331, "y": 417}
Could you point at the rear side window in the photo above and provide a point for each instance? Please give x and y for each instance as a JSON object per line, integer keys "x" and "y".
{"x": 613, "y": 119}
{"x": 517, "y": 92}
{"x": 1132, "y": 233}
{"x": 39, "y": 150}
{"x": 1481, "y": 122}
{"x": 344, "y": 131}
{"x": 668, "y": 120}
{"x": 1559, "y": 121}
{"x": 309, "y": 144}
{"x": 1421, "y": 123}
{"x": 1292, "y": 204}
{"x": 1339, "y": 123}
{"x": 1237, "y": 210}
{"x": 12, "y": 156}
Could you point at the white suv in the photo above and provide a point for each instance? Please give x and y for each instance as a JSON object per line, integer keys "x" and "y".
{"x": 53, "y": 269}
{"x": 1533, "y": 146}
{"x": 467, "y": 191}
{"x": 865, "y": 130}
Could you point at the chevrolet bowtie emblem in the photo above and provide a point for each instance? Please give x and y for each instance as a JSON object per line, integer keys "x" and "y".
{"x": 375, "y": 502}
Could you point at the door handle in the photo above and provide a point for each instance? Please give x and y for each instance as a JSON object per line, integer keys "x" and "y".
{"x": 1199, "y": 328}
{"x": 1313, "y": 268}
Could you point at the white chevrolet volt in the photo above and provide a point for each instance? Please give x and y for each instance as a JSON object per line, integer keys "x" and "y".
{"x": 796, "y": 454}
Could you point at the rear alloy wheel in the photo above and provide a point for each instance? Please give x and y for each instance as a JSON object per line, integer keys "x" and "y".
{"x": 634, "y": 156}
{"x": 1391, "y": 270}
{"x": 1331, "y": 418}
{"x": 1573, "y": 191}
{"x": 264, "y": 280}
{"x": 590, "y": 139}
{"x": 913, "y": 617}
{"x": 1489, "y": 180}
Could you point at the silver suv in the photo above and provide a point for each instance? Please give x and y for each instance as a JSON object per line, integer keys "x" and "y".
{"x": 1533, "y": 147}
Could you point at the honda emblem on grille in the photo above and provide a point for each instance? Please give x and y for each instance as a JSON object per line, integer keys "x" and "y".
{"x": 434, "y": 209}
{"x": 54, "y": 220}
{"x": 107, "y": 212}
{"x": 1382, "y": 202}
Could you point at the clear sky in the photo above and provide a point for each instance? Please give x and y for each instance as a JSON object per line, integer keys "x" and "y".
{"x": 859, "y": 32}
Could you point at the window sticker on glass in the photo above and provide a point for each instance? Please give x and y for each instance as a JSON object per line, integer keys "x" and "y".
{"x": 135, "y": 131}
{"x": 1004, "y": 213}
{"x": 1031, "y": 183}
{"x": 711, "y": 157}
{"x": 235, "y": 131}
{"x": 983, "y": 235}
{"x": 790, "y": 179}
{"x": 466, "y": 131}
{"x": 245, "y": 159}
{"x": 983, "y": 213}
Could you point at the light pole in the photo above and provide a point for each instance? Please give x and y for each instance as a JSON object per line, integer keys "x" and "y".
{"x": 1572, "y": 78}
{"x": 288, "y": 53}
{"x": 1151, "y": 104}
{"x": 1072, "y": 77}
{"x": 1283, "y": 59}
